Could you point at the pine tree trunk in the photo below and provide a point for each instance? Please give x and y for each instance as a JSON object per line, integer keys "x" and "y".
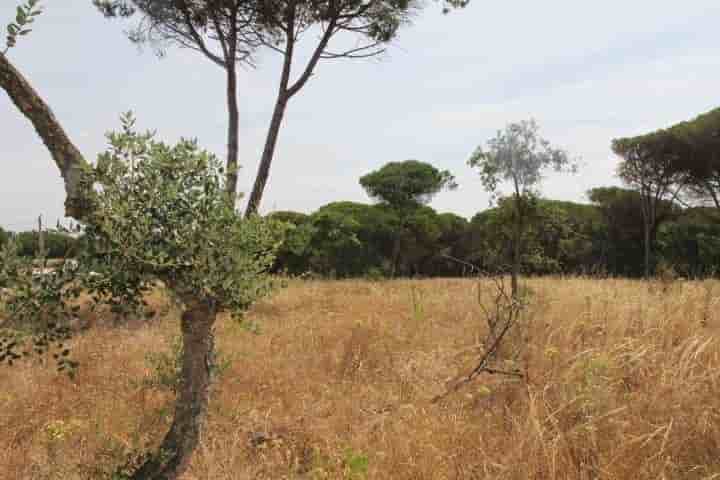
{"x": 233, "y": 127}
{"x": 175, "y": 452}
{"x": 647, "y": 249}
{"x": 267, "y": 156}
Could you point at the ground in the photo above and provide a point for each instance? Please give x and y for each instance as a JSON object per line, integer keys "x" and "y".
{"x": 333, "y": 379}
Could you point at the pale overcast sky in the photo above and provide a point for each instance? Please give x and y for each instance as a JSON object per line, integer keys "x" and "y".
{"x": 587, "y": 71}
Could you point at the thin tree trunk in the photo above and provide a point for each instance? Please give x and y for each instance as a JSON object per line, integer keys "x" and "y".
{"x": 267, "y": 156}
{"x": 647, "y": 237}
{"x": 66, "y": 155}
{"x": 395, "y": 256}
{"x": 713, "y": 194}
{"x": 515, "y": 263}
{"x": 517, "y": 248}
{"x": 175, "y": 452}
{"x": 285, "y": 93}
{"x": 233, "y": 127}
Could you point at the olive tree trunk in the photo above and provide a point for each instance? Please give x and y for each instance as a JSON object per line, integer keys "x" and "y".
{"x": 175, "y": 452}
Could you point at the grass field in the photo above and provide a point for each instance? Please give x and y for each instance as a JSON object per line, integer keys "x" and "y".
{"x": 334, "y": 380}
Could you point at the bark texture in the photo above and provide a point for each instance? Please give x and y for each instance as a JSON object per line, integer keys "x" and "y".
{"x": 268, "y": 152}
{"x": 66, "y": 155}
{"x": 173, "y": 457}
{"x": 519, "y": 221}
{"x": 233, "y": 127}
{"x": 285, "y": 92}
{"x": 395, "y": 255}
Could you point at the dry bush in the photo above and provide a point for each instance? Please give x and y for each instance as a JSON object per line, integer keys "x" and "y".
{"x": 623, "y": 383}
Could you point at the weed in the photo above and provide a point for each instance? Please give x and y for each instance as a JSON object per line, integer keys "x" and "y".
{"x": 165, "y": 367}
{"x": 418, "y": 312}
{"x": 356, "y": 464}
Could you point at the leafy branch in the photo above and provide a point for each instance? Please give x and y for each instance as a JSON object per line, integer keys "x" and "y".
{"x": 20, "y": 27}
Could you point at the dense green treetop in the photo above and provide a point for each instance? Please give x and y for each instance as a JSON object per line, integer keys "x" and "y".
{"x": 406, "y": 184}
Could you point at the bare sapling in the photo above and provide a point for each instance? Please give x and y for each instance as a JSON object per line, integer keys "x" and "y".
{"x": 503, "y": 316}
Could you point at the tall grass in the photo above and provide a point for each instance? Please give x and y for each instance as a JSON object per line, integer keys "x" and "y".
{"x": 623, "y": 383}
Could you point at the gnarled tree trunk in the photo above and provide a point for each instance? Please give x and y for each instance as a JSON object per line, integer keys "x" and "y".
{"x": 66, "y": 155}
{"x": 173, "y": 457}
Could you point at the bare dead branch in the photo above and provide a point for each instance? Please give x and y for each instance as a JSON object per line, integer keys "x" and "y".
{"x": 365, "y": 51}
{"x": 506, "y": 315}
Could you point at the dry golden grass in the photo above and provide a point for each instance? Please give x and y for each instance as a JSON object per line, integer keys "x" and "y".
{"x": 624, "y": 383}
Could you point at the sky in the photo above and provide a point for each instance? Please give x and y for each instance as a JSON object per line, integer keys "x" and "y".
{"x": 588, "y": 72}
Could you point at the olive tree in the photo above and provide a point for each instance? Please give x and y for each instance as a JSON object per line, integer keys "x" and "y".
{"x": 518, "y": 156}
{"x": 159, "y": 212}
{"x": 153, "y": 211}
{"x": 162, "y": 212}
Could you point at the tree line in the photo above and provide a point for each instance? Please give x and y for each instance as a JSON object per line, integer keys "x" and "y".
{"x": 400, "y": 235}
{"x": 604, "y": 237}
{"x": 668, "y": 214}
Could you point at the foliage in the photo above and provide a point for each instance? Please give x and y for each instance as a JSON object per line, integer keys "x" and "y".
{"x": 685, "y": 153}
{"x": 348, "y": 239}
{"x": 4, "y": 236}
{"x": 293, "y": 253}
{"x": 37, "y": 298}
{"x": 38, "y": 308}
{"x": 166, "y": 367}
{"x": 208, "y": 27}
{"x": 25, "y": 15}
{"x": 288, "y": 216}
{"x": 356, "y": 233}
{"x": 160, "y": 213}
{"x": 406, "y": 184}
{"x": 548, "y": 238}
{"x": 356, "y": 464}
{"x": 691, "y": 243}
{"x": 405, "y": 188}
{"x": 519, "y": 156}
{"x": 57, "y": 244}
